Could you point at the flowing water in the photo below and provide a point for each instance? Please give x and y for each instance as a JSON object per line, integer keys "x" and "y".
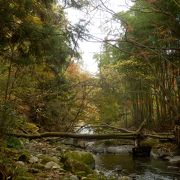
{"x": 138, "y": 169}
{"x": 123, "y": 164}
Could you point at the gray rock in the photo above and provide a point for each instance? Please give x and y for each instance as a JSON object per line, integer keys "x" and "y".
{"x": 173, "y": 167}
{"x": 52, "y": 165}
{"x": 118, "y": 169}
{"x": 90, "y": 145}
{"x": 55, "y": 159}
{"x": 162, "y": 153}
{"x": 69, "y": 141}
{"x": 99, "y": 149}
{"x": 175, "y": 160}
{"x": 110, "y": 149}
{"x": 124, "y": 178}
{"x": 59, "y": 148}
{"x": 33, "y": 159}
{"x": 20, "y": 163}
{"x": 73, "y": 177}
{"x": 39, "y": 155}
{"x": 167, "y": 158}
{"x": 119, "y": 149}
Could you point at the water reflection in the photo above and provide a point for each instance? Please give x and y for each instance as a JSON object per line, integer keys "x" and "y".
{"x": 138, "y": 169}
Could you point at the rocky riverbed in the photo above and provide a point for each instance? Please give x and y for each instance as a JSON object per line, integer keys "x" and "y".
{"x": 51, "y": 159}
{"x": 46, "y": 160}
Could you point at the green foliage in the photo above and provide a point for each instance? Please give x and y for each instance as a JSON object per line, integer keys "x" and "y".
{"x": 8, "y": 118}
{"x": 13, "y": 142}
{"x": 21, "y": 173}
{"x": 142, "y": 61}
{"x": 45, "y": 159}
{"x": 77, "y": 3}
{"x": 36, "y": 75}
{"x": 150, "y": 142}
{"x": 36, "y": 47}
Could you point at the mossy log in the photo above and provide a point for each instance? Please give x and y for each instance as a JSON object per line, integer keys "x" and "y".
{"x": 169, "y": 137}
{"x": 131, "y": 136}
{"x": 77, "y": 136}
{"x": 135, "y": 135}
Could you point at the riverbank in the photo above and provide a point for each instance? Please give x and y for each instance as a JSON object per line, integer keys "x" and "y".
{"x": 52, "y": 159}
{"x": 46, "y": 159}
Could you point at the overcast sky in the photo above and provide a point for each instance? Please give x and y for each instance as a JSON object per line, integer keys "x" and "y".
{"x": 98, "y": 27}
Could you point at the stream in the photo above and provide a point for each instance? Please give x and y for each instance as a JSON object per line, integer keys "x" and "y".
{"x": 122, "y": 163}
{"x": 137, "y": 169}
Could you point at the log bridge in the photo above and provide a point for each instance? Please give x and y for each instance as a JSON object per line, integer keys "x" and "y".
{"x": 137, "y": 135}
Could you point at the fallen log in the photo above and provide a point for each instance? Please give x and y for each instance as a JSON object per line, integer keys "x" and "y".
{"x": 77, "y": 136}
{"x": 131, "y": 136}
{"x": 170, "y": 137}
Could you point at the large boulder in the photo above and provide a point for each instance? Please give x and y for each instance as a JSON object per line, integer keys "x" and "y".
{"x": 78, "y": 168}
{"x": 82, "y": 156}
{"x": 80, "y": 163}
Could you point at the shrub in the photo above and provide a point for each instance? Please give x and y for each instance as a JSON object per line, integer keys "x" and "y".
{"x": 9, "y": 119}
{"x": 13, "y": 142}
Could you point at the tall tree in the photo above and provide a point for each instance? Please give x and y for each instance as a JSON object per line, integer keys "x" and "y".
{"x": 148, "y": 52}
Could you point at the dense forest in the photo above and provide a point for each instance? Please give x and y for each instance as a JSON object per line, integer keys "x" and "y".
{"x": 44, "y": 89}
{"x": 140, "y": 71}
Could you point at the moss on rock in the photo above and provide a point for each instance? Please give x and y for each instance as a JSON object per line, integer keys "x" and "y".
{"x": 77, "y": 167}
{"x": 149, "y": 142}
{"x": 45, "y": 159}
{"x": 83, "y": 157}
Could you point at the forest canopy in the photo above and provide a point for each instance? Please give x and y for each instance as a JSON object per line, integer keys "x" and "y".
{"x": 41, "y": 83}
{"x": 140, "y": 70}
{"x": 59, "y": 121}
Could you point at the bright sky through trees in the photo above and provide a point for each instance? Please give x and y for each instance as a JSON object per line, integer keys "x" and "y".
{"x": 99, "y": 26}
